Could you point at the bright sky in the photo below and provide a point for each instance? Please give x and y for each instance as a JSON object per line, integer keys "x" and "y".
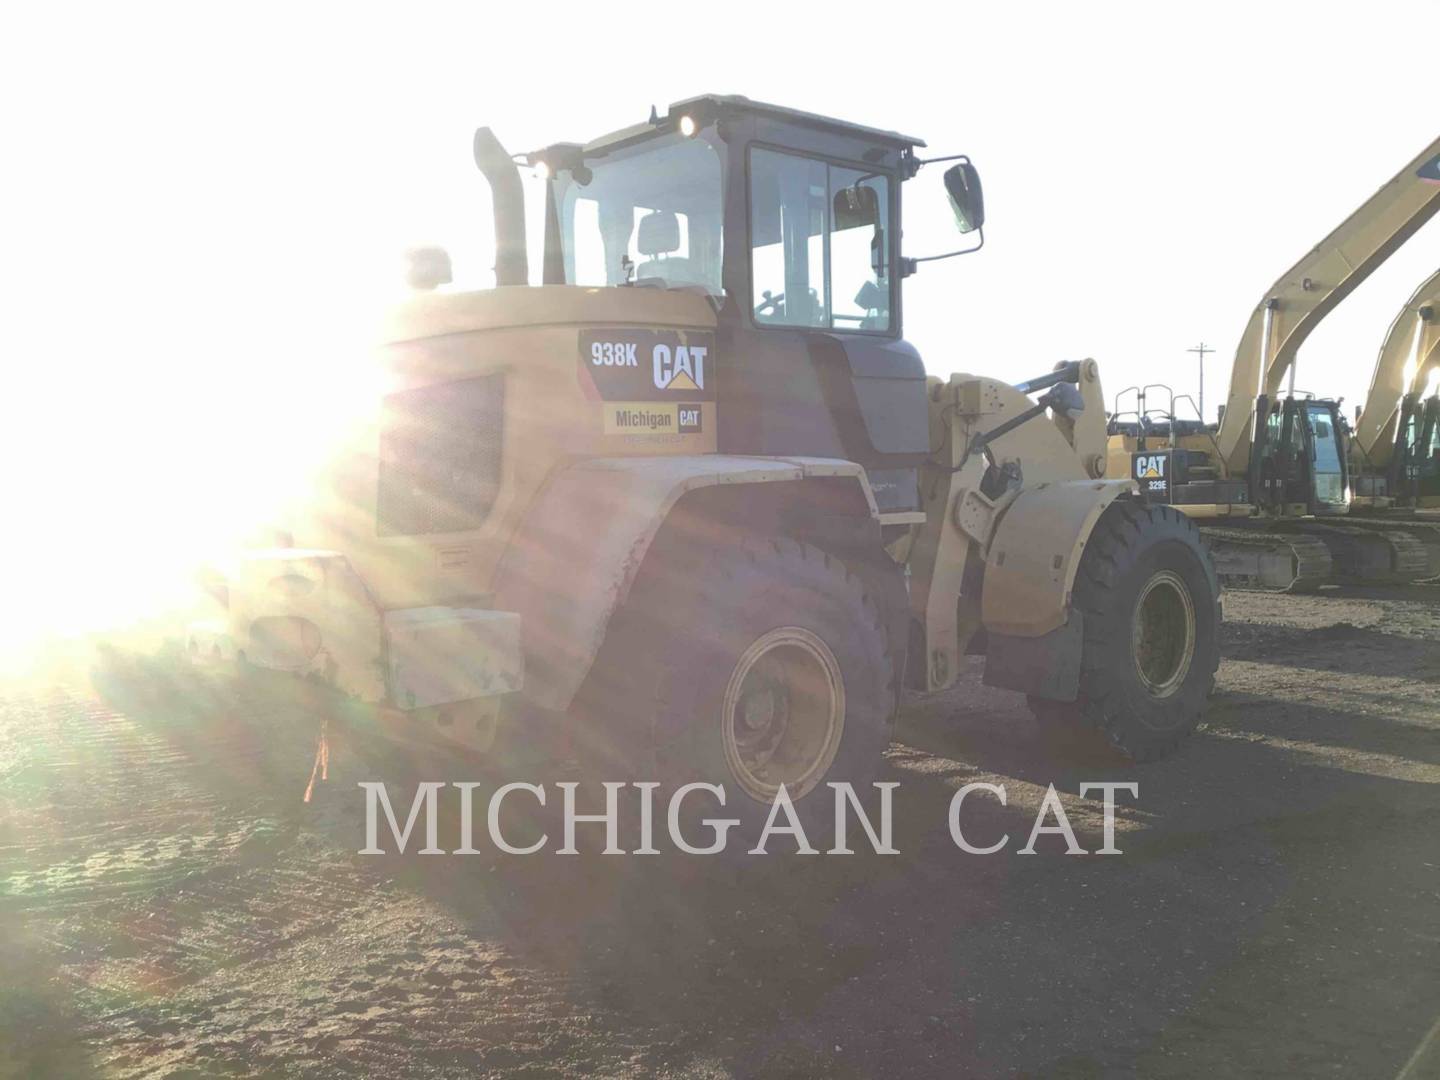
{"x": 205, "y": 204}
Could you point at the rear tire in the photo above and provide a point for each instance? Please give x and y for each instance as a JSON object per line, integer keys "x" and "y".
{"x": 748, "y": 666}
{"x": 1149, "y": 596}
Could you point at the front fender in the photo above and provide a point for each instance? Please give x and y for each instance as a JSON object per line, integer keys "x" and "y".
{"x": 577, "y": 552}
{"x": 1035, "y": 552}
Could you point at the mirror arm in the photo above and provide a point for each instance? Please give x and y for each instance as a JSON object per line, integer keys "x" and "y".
{"x": 910, "y": 164}
{"x": 937, "y": 160}
{"x": 908, "y": 266}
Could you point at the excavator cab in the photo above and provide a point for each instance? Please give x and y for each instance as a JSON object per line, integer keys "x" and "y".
{"x": 1427, "y": 457}
{"x": 1298, "y": 457}
{"x": 1415, "y": 464}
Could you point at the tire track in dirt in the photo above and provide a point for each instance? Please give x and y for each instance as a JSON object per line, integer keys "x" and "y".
{"x": 140, "y": 858}
{"x": 186, "y": 909}
{"x": 96, "y": 807}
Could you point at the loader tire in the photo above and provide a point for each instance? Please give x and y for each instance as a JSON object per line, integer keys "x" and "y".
{"x": 765, "y": 662}
{"x": 1150, "y": 600}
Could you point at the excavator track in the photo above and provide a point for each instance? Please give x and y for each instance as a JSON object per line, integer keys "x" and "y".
{"x": 1272, "y": 561}
{"x": 1412, "y": 532}
{"x": 1369, "y": 556}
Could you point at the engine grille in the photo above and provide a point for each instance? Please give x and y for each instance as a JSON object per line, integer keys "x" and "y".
{"x": 440, "y": 450}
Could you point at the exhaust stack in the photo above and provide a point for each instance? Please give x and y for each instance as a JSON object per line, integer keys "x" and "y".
{"x": 511, "y": 264}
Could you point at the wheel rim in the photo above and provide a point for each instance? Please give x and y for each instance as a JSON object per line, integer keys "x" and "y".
{"x": 783, "y": 714}
{"x": 1162, "y": 635}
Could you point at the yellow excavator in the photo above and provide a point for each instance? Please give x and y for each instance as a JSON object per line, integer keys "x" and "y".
{"x": 1272, "y": 480}
{"x": 1395, "y": 453}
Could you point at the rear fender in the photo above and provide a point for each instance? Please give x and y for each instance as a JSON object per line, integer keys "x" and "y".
{"x": 577, "y": 552}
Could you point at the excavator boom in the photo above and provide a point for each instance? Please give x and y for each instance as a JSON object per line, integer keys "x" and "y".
{"x": 1400, "y": 369}
{"x": 1305, "y": 293}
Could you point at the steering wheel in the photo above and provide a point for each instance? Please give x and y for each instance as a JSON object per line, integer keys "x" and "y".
{"x": 771, "y": 303}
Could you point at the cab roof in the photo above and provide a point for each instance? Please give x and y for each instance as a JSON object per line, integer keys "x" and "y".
{"x": 708, "y": 106}
{"x": 740, "y": 103}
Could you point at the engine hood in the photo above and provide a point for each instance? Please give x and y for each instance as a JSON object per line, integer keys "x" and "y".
{"x": 429, "y": 315}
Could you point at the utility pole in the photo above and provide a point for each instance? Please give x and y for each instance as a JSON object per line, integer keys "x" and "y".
{"x": 1202, "y": 349}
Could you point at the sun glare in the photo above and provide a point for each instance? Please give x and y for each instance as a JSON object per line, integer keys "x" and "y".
{"x": 144, "y": 453}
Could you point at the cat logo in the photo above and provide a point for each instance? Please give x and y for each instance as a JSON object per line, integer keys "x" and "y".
{"x": 689, "y": 419}
{"x": 1150, "y": 467}
{"x": 1152, "y": 474}
{"x": 680, "y": 368}
{"x": 633, "y": 365}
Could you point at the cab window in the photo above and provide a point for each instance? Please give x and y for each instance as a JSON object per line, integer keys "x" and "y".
{"x": 819, "y": 248}
{"x": 651, "y": 215}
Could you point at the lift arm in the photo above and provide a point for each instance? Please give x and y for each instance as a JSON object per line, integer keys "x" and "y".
{"x": 1398, "y": 370}
{"x": 1306, "y": 293}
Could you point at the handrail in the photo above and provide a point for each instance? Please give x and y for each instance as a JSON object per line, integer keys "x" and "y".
{"x": 1204, "y": 427}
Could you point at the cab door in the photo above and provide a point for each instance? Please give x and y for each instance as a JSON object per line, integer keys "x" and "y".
{"x": 1427, "y": 456}
{"x": 819, "y": 365}
{"x": 1328, "y": 480}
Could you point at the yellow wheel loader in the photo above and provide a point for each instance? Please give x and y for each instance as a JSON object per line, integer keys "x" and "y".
{"x": 692, "y": 500}
{"x": 1272, "y": 481}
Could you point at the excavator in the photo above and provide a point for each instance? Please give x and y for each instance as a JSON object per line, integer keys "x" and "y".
{"x": 1271, "y": 483}
{"x": 1394, "y": 455}
{"x": 1394, "y": 450}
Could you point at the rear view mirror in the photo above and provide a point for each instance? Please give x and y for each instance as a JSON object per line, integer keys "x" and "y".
{"x": 962, "y": 184}
{"x": 856, "y": 206}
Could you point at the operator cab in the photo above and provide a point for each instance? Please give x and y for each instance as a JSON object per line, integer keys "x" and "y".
{"x": 1299, "y": 455}
{"x": 1415, "y": 462}
{"x": 789, "y": 223}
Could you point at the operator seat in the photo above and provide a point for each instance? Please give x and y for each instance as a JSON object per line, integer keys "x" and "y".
{"x": 658, "y": 238}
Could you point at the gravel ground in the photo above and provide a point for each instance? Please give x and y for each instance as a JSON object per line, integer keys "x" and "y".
{"x": 168, "y": 907}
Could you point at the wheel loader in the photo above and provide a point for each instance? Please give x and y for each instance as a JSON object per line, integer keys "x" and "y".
{"x": 1272, "y": 482}
{"x": 693, "y": 502}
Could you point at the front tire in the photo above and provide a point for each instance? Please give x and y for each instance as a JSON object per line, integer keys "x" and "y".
{"x": 1149, "y": 597}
